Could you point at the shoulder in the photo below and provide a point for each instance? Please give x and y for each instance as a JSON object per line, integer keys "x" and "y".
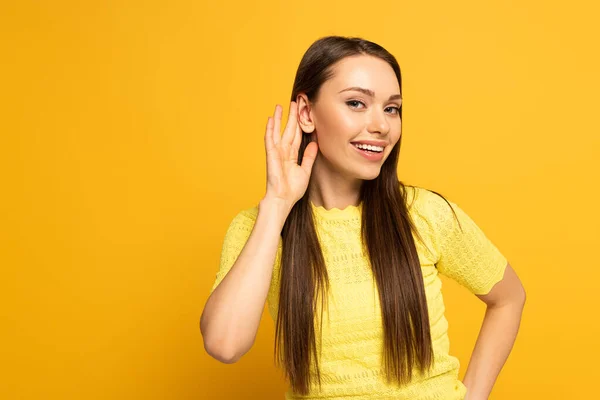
{"x": 242, "y": 222}
{"x": 249, "y": 213}
{"x": 433, "y": 214}
{"x": 428, "y": 204}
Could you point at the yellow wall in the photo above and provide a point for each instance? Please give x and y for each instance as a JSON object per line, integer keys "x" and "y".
{"x": 131, "y": 134}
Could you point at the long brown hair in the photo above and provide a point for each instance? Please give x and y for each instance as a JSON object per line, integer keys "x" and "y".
{"x": 387, "y": 232}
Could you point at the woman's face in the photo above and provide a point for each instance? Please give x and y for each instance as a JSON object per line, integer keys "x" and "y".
{"x": 358, "y": 103}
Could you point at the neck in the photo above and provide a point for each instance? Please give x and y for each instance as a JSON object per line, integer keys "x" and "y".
{"x": 333, "y": 190}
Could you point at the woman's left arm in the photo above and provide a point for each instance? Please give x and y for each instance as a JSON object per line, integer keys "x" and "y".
{"x": 498, "y": 332}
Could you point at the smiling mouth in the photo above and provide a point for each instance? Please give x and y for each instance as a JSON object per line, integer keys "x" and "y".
{"x": 369, "y": 151}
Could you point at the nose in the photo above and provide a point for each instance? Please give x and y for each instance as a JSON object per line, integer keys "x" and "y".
{"x": 378, "y": 122}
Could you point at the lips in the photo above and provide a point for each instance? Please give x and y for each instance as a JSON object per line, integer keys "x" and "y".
{"x": 372, "y": 156}
{"x": 379, "y": 143}
{"x": 372, "y": 151}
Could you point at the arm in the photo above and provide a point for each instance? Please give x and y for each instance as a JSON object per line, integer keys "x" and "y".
{"x": 233, "y": 311}
{"x": 498, "y": 332}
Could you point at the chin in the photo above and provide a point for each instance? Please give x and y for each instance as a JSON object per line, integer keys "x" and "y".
{"x": 368, "y": 174}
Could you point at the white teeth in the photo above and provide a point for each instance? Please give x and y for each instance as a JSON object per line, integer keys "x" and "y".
{"x": 369, "y": 147}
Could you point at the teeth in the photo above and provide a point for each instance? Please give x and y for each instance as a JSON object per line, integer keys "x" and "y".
{"x": 369, "y": 147}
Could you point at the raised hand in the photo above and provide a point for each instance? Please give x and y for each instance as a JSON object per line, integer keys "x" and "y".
{"x": 286, "y": 180}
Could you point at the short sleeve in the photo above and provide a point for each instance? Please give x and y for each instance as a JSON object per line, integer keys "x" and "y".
{"x": 236, "y": 236}
{"x": 465, "y": 253}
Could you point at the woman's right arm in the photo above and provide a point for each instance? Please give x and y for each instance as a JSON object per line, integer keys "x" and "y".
{"x": 233, "y": 311}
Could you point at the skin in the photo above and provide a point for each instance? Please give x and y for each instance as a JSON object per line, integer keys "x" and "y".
{"x": 337, "y": 118}
{"x": 505, "y": 303}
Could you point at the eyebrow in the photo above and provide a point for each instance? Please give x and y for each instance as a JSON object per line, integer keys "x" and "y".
{"x": 371, "y": 93}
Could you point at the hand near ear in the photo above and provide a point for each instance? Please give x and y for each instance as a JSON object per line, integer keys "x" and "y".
{"x": 286, "y": 180}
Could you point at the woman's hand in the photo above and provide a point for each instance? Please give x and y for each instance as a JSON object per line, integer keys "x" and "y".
{"x": 286, "y": 180}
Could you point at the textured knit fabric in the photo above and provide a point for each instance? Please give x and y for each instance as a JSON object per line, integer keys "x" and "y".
{"x": 351, "y": 342}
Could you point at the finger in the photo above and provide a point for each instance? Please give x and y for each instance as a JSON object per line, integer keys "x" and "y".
{"x": 297, "y": 140}
{"x": 272, "y": 137}
{"x": 308, "y": 159}
{"x": 277, "y": 123}
{"x": 288, "y": 134}
{"x": 269, "y": 141}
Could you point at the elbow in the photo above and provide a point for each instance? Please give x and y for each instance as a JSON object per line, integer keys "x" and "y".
{"x": 217, "y": 347}
{"x": 222, "y": 341}
{"x": 523, "y": 296}
{"x": 518, "y": 298}
{"x": 221, "y": 352}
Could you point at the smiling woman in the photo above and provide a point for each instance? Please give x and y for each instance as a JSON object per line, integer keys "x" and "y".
{"x": 360, "y": 102}
{"x": 348, "y": 257}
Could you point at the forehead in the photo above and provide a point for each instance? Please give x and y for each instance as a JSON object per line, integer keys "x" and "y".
{"x": 364, "y": 71}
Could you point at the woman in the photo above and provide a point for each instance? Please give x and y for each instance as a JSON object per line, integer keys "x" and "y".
{"x": 348, "y": 257}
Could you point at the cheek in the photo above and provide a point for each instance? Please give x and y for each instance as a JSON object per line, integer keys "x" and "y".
{"x": 352, "y": 123}
{"x": 395, "y": 130}
{"x": 341, "y": 125}
{"x": 397, "y": 133}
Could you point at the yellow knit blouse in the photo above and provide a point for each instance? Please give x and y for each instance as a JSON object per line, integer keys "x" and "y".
{"x": 351, "y": 342}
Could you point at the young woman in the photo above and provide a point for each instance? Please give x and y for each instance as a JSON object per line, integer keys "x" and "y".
{"x": 348, "y": 257}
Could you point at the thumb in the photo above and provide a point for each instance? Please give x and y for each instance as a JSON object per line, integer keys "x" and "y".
{"x": 308, "y": 159}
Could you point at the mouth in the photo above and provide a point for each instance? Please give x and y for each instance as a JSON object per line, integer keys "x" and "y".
{"x": 371, "y": 154}
{"x": 369, "y": 149}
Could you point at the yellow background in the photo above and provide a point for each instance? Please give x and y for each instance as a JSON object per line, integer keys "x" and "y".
{"x": 132, "y": 132}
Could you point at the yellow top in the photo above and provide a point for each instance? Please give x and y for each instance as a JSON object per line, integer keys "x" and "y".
{"x": 352, "y": 336}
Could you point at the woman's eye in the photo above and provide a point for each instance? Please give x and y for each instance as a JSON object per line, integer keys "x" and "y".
{"x": 357, "y": 103}
{"x": 354, "y": 103}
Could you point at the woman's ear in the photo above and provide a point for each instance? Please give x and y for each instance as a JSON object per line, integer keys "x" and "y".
{"x": 304, "y": 114}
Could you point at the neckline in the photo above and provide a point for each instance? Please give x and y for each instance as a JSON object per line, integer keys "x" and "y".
{"x": 350, "y": 211}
